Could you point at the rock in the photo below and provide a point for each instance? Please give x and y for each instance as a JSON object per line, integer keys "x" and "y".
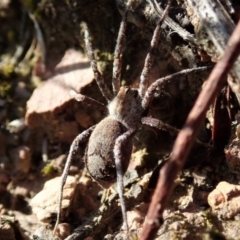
{"x": 63, "y": 230}
{"x": 43, "y": 233}
{"x": 45, "y": 203}
{"x": 16, "y": 125}
{"x": 225, "y": 200}
{"x": 50, "y": 98}
{"x": 51, "y": 106}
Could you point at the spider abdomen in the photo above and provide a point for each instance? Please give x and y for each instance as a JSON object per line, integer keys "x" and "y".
{"x": 99, "y": 159}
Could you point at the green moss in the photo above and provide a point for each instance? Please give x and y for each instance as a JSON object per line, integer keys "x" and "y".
{"x": 5, "y": 88}
{"x": 7, "y": 70}
{"x": 208, "y": 218}
{"x": 31, "y": 4}
{"x": 105, "y": 56}
{"x": 11, "y": 36}
{"x": 48, "y": 169}
{"x": 133, "y": 236}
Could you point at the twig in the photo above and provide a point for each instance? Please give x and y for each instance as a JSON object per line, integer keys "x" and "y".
{"x": 172, "y": 24}
{"x": 45, "y": 150}
{"x": 40, "y": 38}
{"x": 187, "y": 135}
{"x": 218, "y": 24}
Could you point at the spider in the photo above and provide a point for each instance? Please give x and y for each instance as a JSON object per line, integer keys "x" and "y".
{"x": 110, "y": 142}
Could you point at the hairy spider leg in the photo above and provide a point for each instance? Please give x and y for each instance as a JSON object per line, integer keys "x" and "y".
{"x": 117, "y": 62}
{"x": 156, "y": 123}
{"x": 118, "y": 162}
{"x": 82, "y": 137}
{"x": 162, "y": 81}
{"x": 144, "y": 78}
{"x": 98, "y": 76}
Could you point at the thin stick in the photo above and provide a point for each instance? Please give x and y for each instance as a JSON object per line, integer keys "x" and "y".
{"x": 40, "y": 38}
{"x": 144, "y": 78}
{"x": 172, "y": 24}
{"x": 185, "y": 139}
{"x": 88, "y": 101}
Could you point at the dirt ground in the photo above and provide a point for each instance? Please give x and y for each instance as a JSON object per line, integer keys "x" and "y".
{"x": 43, "y": 57}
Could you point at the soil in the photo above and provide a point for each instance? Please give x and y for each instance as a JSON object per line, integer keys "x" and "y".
{"x": 43, "y": 57}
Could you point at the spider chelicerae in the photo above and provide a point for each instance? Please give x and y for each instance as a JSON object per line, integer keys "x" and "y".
{"x": 110, "y": 142}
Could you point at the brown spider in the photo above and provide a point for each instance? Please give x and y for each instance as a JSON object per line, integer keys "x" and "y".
{"x": 110, "y": 142}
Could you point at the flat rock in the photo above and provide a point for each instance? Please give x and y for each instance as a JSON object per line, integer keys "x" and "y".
{"x": 51, "y": 104}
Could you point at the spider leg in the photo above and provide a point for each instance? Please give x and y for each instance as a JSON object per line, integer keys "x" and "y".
{"x": 117, "y": 62}
{"x": 118, "y": 162}
{"x": 156, "y": 123}
{"x": 144, "y": 78}
{"x": 82, "y": 137}
{"x": 162, "y": 81}
{"x": 98, "y": 76}
{"x": 89, "y": 101}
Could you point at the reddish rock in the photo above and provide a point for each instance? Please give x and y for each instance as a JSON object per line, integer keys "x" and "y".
{"x": 225, "y": 200}
{"x": 51, "y": 106}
